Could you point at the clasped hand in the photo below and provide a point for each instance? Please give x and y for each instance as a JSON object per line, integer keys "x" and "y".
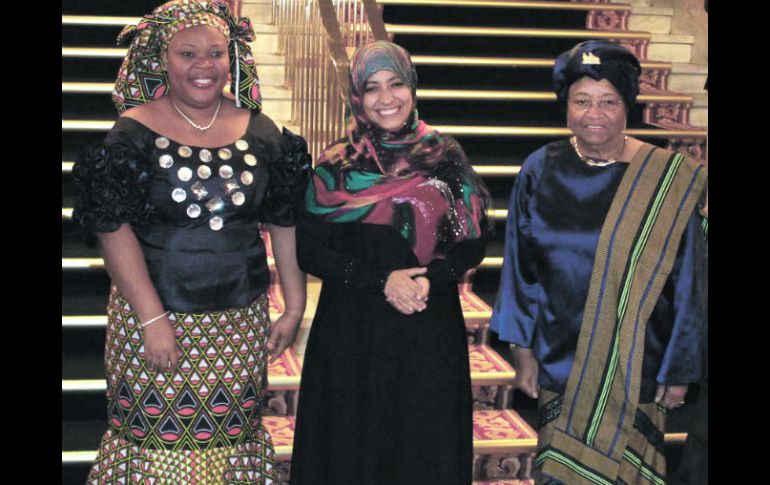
{"x": 407, "y": 291}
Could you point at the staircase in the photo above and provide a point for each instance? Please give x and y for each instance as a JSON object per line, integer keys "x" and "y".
{"x": 673, "y": 41}
{"x": 484, "y": 69}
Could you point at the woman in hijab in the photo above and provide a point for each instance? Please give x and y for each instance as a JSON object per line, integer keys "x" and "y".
{"x": 395, "y": 217}
{"x": 598, "y": 293}
{"x": 175, "y": 196}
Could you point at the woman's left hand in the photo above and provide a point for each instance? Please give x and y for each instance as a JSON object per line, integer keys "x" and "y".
{"x": 404, "y": 293}
{"x": 670, "y": 397}
{"x": 282, "y": 335}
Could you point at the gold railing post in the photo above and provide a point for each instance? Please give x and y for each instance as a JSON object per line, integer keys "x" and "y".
{"x": 314, "y": 36}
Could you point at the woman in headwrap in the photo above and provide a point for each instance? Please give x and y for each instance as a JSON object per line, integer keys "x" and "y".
{"x": 598, "y": 291}
{"x": 395, "y": 217}
{"x": 175, "y": 196}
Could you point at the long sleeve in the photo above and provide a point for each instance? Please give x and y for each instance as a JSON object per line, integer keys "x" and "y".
{"x": 682, "y": 362}
{"x": 516, "y": 307}
{"x": 316, "y": 257}
{"x": 463, "y": 256}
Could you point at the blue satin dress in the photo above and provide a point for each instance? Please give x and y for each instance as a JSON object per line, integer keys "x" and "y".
{"x": 556, "y": 211}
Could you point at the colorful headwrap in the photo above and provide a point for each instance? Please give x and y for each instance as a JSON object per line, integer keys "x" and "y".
{"x": 142, "y": 76}
{"x": 598, "y": 59}
{"x": 435, "y": 199}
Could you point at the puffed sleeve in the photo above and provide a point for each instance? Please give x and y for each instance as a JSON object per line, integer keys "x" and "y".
{"x": 289, "y": 175}
{"x": 112, "y": 180}
{"x": 516, "y": 307}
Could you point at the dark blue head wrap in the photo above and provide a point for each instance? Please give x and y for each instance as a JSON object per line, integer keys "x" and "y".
{"x": 598, "y": 59}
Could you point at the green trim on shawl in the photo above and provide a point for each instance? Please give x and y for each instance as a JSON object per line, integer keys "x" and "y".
{"x": 645, "y": 470}
{"x": 652, "y": 215}
{"x": 573, "y": 465}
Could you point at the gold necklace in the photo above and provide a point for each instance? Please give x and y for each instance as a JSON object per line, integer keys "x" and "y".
{"x": 573, "y": 141}
{"x": 194, "y": 124}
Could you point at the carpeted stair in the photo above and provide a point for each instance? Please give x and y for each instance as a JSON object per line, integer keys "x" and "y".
{"x": 484, "y": 69}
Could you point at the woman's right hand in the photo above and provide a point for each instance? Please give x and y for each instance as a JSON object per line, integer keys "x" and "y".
{"x": 525, "y": 364}
{"x": 404, "y": 293}
{"x": 160, "y": 347}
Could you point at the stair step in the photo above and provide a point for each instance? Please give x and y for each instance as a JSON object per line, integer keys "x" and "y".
{"x": 283, "y": 374}
{"x": 458, "y": 130}
{"x": 649, "y": 19}
{"x": 508, "y": 4}
{"x": 99, "y": 20}
{"x": 85, "y": 7}
{"x": 700, "y": 99}
{"x": 487, "y": 369}
{"x": 270, "y": 66}
{"x": 496, "y": 70}
{"x": 513, "y": 32}
{"x": 120, "y": 53}
{"x": 491, "y": 381}
{"x": 500, "y": 431}
{"x": 268, "y": 92}
{"x": 469, "y": 39}
{"x": 670, "y": 47}
{"x": 699, "y": 113}
{"x": 494, "y": 432}
{"x": 504, "y": 482}
{"x": 258, "y": 13}
{"x": 507, "y": 61}
{"x": 499, "y": 95}
{"x": 687, "y": 78}
{"x": 486, "y": 14}
{"x": 521, "y": 131}
{"x": 265, "y": 39}
{"x": 95, "y": 97}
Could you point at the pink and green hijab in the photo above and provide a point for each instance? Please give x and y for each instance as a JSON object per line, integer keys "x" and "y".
{"x": 437, "y": 201}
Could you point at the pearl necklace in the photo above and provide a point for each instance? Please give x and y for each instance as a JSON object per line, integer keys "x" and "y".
{"x": 194, "y": 124}
{"x": 573, "y": 141}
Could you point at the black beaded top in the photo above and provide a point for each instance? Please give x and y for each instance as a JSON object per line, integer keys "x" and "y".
{"x": 195, "y": 210}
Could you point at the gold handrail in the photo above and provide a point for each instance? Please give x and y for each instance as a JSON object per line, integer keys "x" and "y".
{"x": 376, "y": 23}
{"x": 316, "y": 38}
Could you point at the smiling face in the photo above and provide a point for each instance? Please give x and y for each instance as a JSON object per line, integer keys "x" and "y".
{"x": 198, "y": 65}
{"x": 599, "y": 127}
{"x": 388, "y": 100}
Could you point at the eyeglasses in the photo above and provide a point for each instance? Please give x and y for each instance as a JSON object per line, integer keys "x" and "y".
{"x": 607, "y": 105}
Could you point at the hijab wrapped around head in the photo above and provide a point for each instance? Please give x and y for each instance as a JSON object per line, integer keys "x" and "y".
{"x": 598, "y": 59}
{"x": 142, "y": 76}
{"x": 434, "y": 198}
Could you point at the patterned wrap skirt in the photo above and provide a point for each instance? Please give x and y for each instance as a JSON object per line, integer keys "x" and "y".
{"x": 199, "y": 424}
